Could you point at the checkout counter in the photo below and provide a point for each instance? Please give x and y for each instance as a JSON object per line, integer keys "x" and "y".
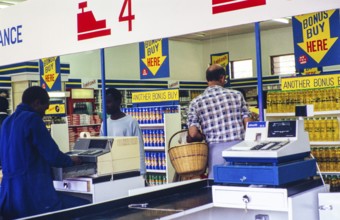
{"x": 109, "y": 170}
{"x": 236, "y": 193}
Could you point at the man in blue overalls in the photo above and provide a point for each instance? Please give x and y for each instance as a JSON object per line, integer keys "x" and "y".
{"x": 27, "y": 153}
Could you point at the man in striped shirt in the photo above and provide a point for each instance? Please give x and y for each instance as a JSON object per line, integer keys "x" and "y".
{"x": 219, "y": 115}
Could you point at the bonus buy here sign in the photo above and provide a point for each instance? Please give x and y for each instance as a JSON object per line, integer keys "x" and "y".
{"x": 154, "y": 59}
{"x": 316, "y": 39}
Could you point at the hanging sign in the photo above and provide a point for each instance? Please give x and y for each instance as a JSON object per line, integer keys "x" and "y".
{"x": 310, "y": 82}
{"x": 316, "y": 39}
{"x": 223, "y": 60}
{"x": 155, "y": 96}
{"x": 89, "y": 83}
{"x": 50, "y": 78}
{"x": 56, "y": 109}
{"x": 154, "y": 59}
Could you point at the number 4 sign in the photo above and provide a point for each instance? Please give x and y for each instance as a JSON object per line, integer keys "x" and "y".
{"x": 129, "y": 17}
{"x": 89, "y": 27}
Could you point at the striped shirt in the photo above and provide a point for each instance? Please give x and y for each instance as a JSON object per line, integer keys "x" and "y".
{"x": 219, "y": 112}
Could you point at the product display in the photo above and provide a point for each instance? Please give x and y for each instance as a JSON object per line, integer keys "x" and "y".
{"x": 158, "y": 123}
{"x": 323, "y": 127}
{"x": 285, "y": 101}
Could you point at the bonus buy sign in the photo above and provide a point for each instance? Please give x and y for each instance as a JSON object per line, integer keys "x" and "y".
{"x": 316, "y": 39}
{"x": 154, "y": 59}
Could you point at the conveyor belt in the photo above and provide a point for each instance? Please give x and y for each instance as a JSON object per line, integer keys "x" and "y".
{"x": 161, "y": 203}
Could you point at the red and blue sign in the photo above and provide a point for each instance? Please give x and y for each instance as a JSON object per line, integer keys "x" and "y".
{"x": 316, "y": 39}
{"x": 154, "y": 59}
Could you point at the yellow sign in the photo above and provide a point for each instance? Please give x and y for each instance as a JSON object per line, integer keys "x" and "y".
{"x": 50, "y": 71}
{"x": 311, "y": 71}
{"x": 156, "y": 96}
{"x": 316, "y": 34}
{"x": 153, "y": 55}
{"x": 222, "y": 59}
{"x": 310, "y": 82}
{"x": 55, "y": 109}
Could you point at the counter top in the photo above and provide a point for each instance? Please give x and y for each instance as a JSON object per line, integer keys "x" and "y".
{"x": 160, "y": 203}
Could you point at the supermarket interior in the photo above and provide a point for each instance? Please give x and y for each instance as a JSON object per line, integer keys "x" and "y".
{"x": 282, "y": 56}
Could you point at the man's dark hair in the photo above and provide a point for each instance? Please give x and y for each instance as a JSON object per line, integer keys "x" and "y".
{"x": 33, "y": 93}
{"x": 214, "y": 73}
{"x": 3, "y": 104}
{"x": 115, "y": 93}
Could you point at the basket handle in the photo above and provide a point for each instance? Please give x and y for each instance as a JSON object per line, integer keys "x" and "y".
{"x": 181, "y": 131}
{"x": 184, "y": 130}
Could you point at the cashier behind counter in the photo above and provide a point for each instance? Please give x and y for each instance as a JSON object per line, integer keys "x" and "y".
{"x": 27, "y": 153}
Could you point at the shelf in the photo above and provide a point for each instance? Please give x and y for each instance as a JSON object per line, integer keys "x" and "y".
{"x": 325, "y": 143}
{"x": 155, "y": 171}
{"x": 155, "y": 148}
{"x": 160, "y": 125}
{"x": 88, "y": 125}
{"x": 330, "y": 173}
{"x": 292, "y": 114}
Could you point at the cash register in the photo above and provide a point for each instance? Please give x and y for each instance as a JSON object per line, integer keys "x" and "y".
{"x": 108, "y": 164}
{"x": 272, "y": 153}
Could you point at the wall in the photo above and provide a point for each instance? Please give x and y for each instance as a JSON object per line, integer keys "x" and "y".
{"x": 188, "y": 59}
{"x": 241, "y": 47}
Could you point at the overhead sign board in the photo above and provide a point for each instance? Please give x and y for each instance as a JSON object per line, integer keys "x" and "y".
{"x": 47, "y": 28}
{"x": 155, "y": 96}
{"x": 310, "y": 82}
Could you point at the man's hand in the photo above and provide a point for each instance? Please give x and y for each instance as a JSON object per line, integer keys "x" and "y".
{"x": 194, "y": 135}
{"x": 76, "y": 160}
{"x": 194, "y": 139}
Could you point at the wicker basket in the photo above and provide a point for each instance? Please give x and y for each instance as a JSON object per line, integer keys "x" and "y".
{"x": 189, "y": 159}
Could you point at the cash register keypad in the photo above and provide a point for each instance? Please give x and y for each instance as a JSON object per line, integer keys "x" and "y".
{"x": 90, "y": 152}
{"x": 269, "y": 146}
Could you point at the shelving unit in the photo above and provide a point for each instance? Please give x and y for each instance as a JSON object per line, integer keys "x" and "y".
{"x": 170, "y": 126}
{"x": 158, "y": 124}
{"x": 326, "y": 151}
{"x": 98, "y": 101}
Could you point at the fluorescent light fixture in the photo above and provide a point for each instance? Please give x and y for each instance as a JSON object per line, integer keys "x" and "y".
{"x": 59, "y": 94}
{"x": 281, "y": 20}
{"x": 199, "y": 34}
{"x": 5, "y": 4}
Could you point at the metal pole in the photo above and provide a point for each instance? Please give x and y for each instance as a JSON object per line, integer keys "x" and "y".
{"x": 102, "y": 67}
{"x": 259, "y": 69}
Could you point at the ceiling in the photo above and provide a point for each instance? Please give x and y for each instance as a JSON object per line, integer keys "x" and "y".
{"x": 207, "y": 35}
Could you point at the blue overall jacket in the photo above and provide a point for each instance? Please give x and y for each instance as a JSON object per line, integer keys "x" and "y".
{"x": 27, "y": 153}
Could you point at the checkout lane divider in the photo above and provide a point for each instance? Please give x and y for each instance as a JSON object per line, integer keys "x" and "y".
{"x": 144, "y": 206}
